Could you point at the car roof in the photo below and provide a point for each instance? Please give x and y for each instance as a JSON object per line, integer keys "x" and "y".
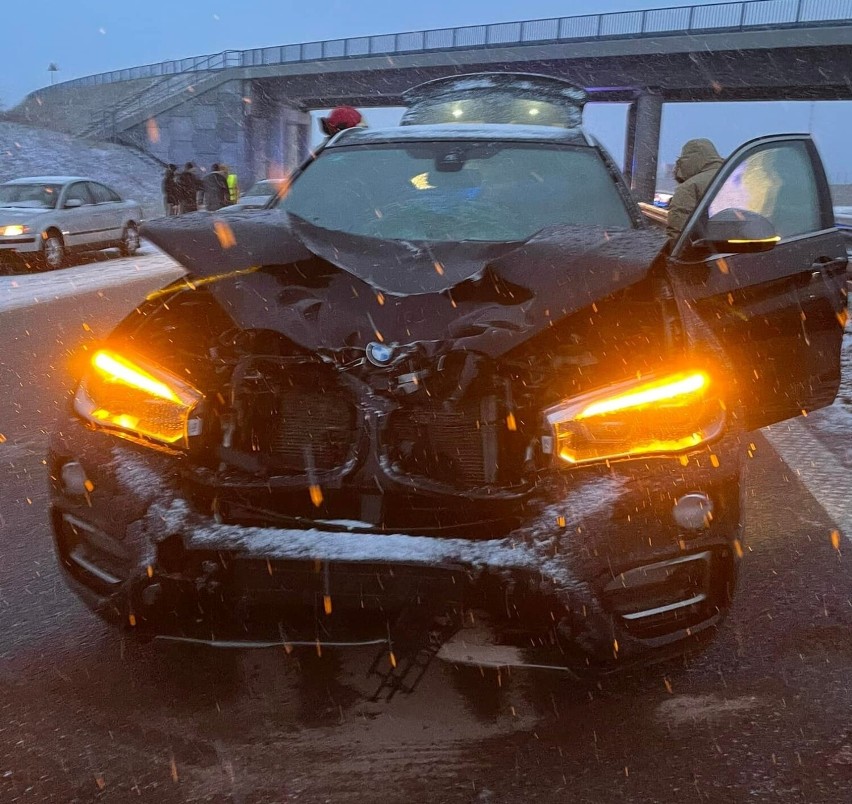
{"x": 47, "y": 180}
{"x": 442, "y": 132}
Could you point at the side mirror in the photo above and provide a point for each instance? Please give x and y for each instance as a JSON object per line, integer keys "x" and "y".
{"x": 73, "y": 203}
{"x": 739, "y": 231}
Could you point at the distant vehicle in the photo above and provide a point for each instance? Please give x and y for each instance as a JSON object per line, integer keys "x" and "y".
{"x": 259, "y": 194}
{"x": 843, "y": 221}
{"x": 662, "y": 200}
{"x": 44, "y": 219}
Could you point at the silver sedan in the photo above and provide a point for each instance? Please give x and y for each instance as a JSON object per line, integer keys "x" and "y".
{"x": 45, "y": 219}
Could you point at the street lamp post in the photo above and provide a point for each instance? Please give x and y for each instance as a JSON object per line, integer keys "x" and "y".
{"x": 52, "y": 68}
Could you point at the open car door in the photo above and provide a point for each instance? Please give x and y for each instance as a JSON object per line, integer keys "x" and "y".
{"x": 762, "y": 264}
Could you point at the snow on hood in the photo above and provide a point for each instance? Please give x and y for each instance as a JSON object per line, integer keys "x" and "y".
{"x": 16, "y": 213}
{"x": 324, "y": 289}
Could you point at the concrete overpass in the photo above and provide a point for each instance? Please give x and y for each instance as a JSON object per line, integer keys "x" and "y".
{"x": 250, "y": 108}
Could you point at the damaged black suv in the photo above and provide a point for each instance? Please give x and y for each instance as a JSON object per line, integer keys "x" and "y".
{"x": 453, "y": 368}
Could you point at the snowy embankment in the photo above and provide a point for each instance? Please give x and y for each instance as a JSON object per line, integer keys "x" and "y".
{"x": 29, "y": 151}
{"x": 30, "y": 289}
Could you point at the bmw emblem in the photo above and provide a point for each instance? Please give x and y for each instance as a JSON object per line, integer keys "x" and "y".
{"x": 379, "y": 354}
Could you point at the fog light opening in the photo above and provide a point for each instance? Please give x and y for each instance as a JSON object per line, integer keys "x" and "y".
{"x": 74, "y": 479}
{"x": 693, "y": 512}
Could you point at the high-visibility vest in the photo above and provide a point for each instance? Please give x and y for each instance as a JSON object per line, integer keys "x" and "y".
{"x": 233, "y": 187}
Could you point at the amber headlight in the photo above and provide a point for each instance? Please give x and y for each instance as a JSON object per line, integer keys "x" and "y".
{"x": 14, "y": 230}
{"x": 137, "y": 397}
{"x": 652, "y": 415}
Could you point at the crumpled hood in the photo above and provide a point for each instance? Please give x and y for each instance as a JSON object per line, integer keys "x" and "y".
{"x": 328, "y": 290}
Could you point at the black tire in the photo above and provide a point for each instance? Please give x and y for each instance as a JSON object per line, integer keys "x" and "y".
{"x": 53, "y": 251}
{"x": 129, "y": 240}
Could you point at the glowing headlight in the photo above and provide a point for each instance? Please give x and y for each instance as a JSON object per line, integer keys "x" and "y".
{"x": 661, "y": 415}
{"x": 14, "y": 231}
{"x": 137, "y": 397}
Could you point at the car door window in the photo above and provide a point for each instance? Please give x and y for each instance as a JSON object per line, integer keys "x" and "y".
{"x": 101, "y": 194}
{"x": 80, "y": 192}
{"x": 774, "y": 309}
{"x": 777, "y": 182}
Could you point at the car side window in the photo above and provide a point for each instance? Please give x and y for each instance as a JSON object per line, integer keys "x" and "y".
{"x": 777, "y": 182}
{"x": 101, "y": 194}
{"x": 79, "y": 192}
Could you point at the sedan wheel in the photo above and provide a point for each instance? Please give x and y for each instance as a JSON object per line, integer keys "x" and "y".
{"x": 130, "y": 240}
{"x": 53, "y": 252}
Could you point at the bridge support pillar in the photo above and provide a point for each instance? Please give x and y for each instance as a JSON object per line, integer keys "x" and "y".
{"x": 277, "y": 141}
{"x": 642, "y": 144}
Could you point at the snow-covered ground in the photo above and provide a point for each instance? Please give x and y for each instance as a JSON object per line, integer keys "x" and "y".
{"x": 29, "y": 151}
{"x": 28, "y": 289}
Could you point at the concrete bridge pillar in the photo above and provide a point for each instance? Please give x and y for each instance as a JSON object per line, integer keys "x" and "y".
{"x": 277, "y": 140}
{"x": 642, "y": 144}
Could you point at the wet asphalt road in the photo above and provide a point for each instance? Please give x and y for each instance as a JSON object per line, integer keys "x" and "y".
{"x": 87, "y": 716}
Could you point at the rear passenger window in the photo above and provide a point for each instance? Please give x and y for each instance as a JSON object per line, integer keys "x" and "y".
{"x": 101, "y": 194}
{"x": 777, "y": 182}
{"x": 79, "y": 192}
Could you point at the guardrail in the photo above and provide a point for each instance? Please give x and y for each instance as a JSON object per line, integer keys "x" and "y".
{"x": 728, "y": 16}
{"x": 166, "y": 87}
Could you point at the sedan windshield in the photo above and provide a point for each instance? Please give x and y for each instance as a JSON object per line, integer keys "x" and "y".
{"x": 40, "y": 196}
{"x": 456, "y": 191}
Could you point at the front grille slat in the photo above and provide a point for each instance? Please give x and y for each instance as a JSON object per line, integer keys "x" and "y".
{"x": 293, "y": 419}
{"x": 301, "y": 419}
{"x": 467, "y": 446}
{"x": 313, "y": 432}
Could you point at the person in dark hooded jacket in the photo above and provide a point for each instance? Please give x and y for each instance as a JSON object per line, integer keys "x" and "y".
{"x": 698, "y": 163}
{"x": 188, "y": 187}
{"x": 216, "y": 193}
{"x": 171, "y": 193}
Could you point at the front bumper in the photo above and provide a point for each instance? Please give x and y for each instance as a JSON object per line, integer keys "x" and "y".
{"x": 599, "y": 572}
{"x": 25, "y": 244}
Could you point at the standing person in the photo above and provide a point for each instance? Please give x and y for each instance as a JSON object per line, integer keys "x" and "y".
{"x": 215, "y": 189}
{"x": 233, "y": 185}
{"x": 698, "y": 163}
{"x": 171, "y": 198}
{"x": 188, "y": 185}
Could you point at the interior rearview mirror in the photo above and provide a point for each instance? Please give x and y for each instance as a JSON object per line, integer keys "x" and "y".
{"x": 73, "y": 203}
{"x": 739, "y": 231}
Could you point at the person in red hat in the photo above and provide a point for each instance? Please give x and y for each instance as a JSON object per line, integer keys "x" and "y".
{"x": 341, "y": 118}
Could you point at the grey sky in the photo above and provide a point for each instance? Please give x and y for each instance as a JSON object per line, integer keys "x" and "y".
{"x": 89, "y": 36}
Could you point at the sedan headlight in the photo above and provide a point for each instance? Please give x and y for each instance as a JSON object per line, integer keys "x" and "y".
{"x": 652, "y": 415}
{"x": 15, "y": 230}
{"x": 137, "y": 397}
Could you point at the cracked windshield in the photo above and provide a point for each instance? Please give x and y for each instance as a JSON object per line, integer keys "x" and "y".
{"x": 426, "y": 403}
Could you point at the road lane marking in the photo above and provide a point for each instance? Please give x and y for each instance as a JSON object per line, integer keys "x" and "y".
{"x": 823, "y": 475}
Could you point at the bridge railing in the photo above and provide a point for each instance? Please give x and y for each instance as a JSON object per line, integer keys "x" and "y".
{"x": 728, "y": 16}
